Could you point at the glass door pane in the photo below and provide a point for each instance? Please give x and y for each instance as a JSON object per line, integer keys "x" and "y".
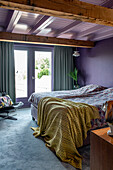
{"x": 21, "y": 73}
{"x": 43, "y": 71}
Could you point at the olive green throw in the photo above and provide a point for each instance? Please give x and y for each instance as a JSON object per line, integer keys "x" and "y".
{"x": 64, "y": 125}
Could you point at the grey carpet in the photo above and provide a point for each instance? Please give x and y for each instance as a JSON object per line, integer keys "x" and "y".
{"x": 20, "y": 150}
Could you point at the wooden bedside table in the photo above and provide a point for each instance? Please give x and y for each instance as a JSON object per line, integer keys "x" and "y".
{"x": 101, "y": 151}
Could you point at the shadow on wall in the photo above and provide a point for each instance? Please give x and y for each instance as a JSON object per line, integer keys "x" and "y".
{"x": 101, "y": 49}
{"x": 82, "y": 77}
{"x": 90, "y": 52}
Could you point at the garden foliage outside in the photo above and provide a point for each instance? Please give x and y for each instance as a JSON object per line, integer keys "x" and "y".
{"x": 42, "y": 67}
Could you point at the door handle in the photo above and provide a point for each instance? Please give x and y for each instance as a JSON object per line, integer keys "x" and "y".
{"x": 33, "y": 77}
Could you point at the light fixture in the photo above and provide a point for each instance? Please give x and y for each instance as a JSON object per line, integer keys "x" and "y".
{"x": 76, "y": 53}
{"x": 45, "y": 31}
{"x": 21, "y": 26}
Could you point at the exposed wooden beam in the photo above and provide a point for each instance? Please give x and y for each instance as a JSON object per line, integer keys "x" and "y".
{"x": 23, "y": 38}
{"x": 67, "y": 28}
{"x": 70, "y": 9}
{"x": 13, "y": 20}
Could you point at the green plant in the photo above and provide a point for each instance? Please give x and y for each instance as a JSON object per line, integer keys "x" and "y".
{"x": 74, "y": 75}
{"x": 43, "y": 72}
{"x": 42, "y": 66}
{"x": 47, "y": 62}
{"x": 36, "y": 67}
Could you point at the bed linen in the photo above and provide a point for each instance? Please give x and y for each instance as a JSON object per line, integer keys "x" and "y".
{"x": 64, "y": 125}
{"x": 91, "y": 94}
{"x": 97, "y": 99}
{"x": 35, "y": 97}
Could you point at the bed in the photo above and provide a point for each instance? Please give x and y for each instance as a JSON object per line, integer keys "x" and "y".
{"x": 89, "y": 96}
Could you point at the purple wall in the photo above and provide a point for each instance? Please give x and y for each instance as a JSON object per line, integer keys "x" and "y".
{"x": 96, "y": 65}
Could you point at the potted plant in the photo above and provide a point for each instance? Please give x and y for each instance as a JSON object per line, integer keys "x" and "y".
{"x": 74, "y": 75}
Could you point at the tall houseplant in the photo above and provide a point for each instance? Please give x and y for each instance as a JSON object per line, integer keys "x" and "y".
{"x": 74, "y": 76}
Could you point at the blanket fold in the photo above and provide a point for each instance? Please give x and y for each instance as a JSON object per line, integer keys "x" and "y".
{"x": 64, "y": 125}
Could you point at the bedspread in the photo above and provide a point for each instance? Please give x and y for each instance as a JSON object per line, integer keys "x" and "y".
{"x": 64, "y": 125}
{"x": 83, "y": 91}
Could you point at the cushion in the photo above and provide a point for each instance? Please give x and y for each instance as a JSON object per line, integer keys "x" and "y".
{"x": 5, "y": 101}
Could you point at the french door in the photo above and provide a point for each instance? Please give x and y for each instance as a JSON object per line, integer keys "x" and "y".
{"x": 33, "y": 71}
{"x": 21, "y": 57}
{"x": 42, "y": 71}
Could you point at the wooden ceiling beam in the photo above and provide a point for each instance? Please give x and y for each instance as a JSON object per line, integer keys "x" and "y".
{"x": 76, "y": 10}
{"x": 23, "y": 38}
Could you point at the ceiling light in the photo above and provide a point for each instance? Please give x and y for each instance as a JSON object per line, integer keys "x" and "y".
{"x": 76, "y": 53}
{"x": 21, "y": 26}
{"x": 45, "y": 31}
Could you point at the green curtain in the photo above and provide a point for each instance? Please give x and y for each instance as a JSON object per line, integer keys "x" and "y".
{"x": 63, "y": 64}
{"x": 7, "y": 69}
